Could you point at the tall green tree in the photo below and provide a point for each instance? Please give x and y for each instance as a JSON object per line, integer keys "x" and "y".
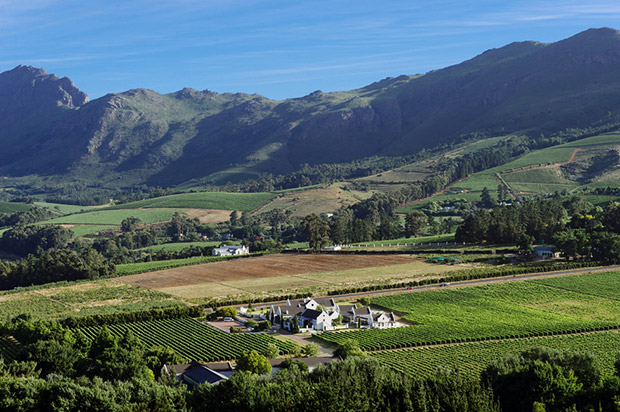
{"x": 415, "y": 222}
{"x": 317, "y": 231}
{"x": 254, "y": 363}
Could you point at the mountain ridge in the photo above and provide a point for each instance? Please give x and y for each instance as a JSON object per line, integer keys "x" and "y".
{"x": 143, "y": 137}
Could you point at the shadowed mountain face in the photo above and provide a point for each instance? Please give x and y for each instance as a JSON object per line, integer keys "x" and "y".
{"x": 48, "y": 126}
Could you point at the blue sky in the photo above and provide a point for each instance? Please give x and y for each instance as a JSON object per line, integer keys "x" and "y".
{"x": 279, "y": 49}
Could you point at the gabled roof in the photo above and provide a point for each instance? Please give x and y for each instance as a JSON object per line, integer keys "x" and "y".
{"x": 362, "y": 311}
{"x": 390, "y": 316}
{"x": 311, "y": 313}
{"x": 289, "y": 310}
{"x": 346, "y": 308}
{"x": 201, "y": 374}
{"x": 327, "y": 302}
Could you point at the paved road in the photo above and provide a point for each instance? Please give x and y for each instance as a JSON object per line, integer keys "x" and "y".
{"x": 475, "y": 282}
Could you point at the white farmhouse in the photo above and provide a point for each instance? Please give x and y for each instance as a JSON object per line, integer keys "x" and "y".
{"x": 230, "y": 250}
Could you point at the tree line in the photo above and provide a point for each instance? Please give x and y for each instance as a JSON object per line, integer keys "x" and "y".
{"x": 574, "y": 226}
{"x": 61, "y": 370}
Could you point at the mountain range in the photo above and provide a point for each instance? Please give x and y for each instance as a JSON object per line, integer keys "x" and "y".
{"x": 48, "y": 127}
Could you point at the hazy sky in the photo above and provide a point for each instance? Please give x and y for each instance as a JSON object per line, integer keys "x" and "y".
{"x": 279, "y": 49}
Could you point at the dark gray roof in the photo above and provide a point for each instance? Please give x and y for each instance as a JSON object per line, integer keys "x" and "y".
{"x": 215, "y": 366}
{"x": 289, "y": 310}
{"x": 201, "y": 374}
{"x": 362, "y": 311}
{"x": 327, "y": 302}
{"x": 311, "y": 313}
{"x": 346, "y": 308}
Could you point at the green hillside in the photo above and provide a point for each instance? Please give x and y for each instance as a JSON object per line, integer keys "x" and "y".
{"x": 203, "y": 200}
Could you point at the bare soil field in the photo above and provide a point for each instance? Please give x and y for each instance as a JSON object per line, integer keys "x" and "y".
{"x": 259, "y": 267}
{"x": 284, "y": 272}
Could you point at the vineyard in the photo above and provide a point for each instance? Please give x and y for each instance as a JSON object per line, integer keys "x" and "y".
{"x": 509, "y": 310}
{"x": 8, "y": 349}
{"x": 194, "y": 340}
{"x": 472, "y": 358}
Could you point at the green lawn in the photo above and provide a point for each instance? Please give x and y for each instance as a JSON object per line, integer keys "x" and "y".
{"x": 176, "y": 246}
{"x": 62, "y": 208}
{"x": 115, "y": 217}
{"x": 204, "y": 200}
{"x": 83, "y": 230}
{"x": 10, "y": 207}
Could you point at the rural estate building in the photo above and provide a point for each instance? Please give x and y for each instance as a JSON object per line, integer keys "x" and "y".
{"x": 545, "y": 252}
{"x": 195, "y": 373}
{"x": 320, "y": 314}
{"x": 230, "y": 250}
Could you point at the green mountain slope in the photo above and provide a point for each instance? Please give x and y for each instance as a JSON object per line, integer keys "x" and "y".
{"x": 140, "y": 136}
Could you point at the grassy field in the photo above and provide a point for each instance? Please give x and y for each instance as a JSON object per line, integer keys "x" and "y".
{"x": 194, "y": 340}
{"x": 492, "y": 311}
{"x": 204, "y": 200}
{"x": 115, "y": 217}
{"x": 317, "y": 200}
{"x": 542, "y": 187}
{"x": 80, "y": 299}
{"x": 62, "y": 208}
{"x": 411, "y": 240}
{"x": 176, "y": 246}
{"x": 471, "y": 358}
{"x": 536, "y": 176}
{"x": 10, "y": 207}
{"x": 603, "y": 139}
{"x": 83, "y": 230}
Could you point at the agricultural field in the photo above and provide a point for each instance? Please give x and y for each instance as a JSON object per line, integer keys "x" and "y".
{"x": 514, "y": 309}
{"x": 410, "y": 240}
{"x": 601, "y": 200}
{"x": 85, "y": 230}
{"x": 176, "y": 246}
{"x": 194, "y": 340}
{"x": 204, "y": 200}
{"x": 64, "y": 209}
{"x": 115, "y": 217}
{"x": 317, "y": 200}
{"x": 57, "y": 301}
{"x": 545, "y": 179}
{"x": 8, "y": 349}
{"x": 404, "y": 174}
{"x": 279, "y": 273}
{"x": 10, "y": 207}
{"x": 603, "y": 284}
{"x": 160, "y": 265}
{"x": 472, "y": 358}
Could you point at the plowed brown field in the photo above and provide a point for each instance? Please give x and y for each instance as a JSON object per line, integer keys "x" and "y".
{"x": 260, "y": 267}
